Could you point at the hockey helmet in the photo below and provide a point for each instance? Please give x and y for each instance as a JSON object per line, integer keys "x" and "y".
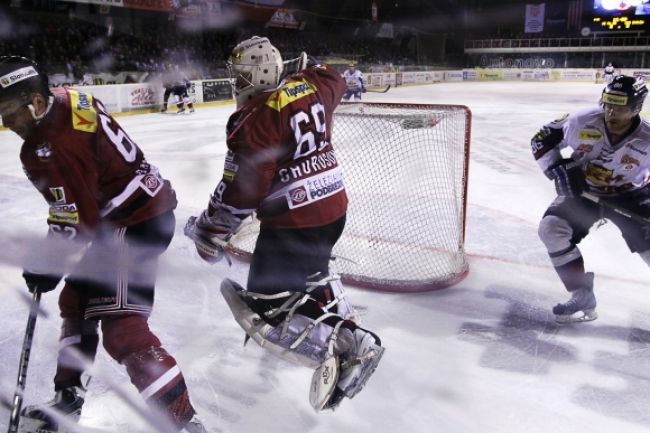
{"x": 625, "y": 90}
{"x": 255, "y": 65}
{"x": 19, "y": 78}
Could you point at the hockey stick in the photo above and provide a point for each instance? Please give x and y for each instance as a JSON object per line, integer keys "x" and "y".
{"x": 619, "y": 210}
{"x": 14, "y": 419}
{"x": 384, "y": 90}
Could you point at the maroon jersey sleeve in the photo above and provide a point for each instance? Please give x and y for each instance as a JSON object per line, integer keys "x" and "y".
{"x": 281, "y": 161}
{"x": 89, "y": 170}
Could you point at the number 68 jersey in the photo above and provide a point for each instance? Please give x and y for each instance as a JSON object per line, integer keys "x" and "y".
{"x": 89, "y": 170}
{"x": 281, "y": 162}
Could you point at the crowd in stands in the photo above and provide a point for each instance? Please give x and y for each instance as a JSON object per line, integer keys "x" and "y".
{"x": 76, "y": 47}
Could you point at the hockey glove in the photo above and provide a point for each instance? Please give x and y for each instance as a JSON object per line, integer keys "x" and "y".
{"x": 568, "y": 176}
{"x": 212, "y": 233}
{"x": 363, "y": 90}
{"x": 41, "y": 282}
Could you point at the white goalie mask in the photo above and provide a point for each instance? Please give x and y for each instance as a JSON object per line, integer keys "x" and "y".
{"x": 254, "y": 66}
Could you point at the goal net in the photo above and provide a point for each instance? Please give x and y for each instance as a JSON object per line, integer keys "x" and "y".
{"x": 405, "y": 171}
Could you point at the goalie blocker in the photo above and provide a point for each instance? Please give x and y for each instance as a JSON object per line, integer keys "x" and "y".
{"x": 315, "y": 329}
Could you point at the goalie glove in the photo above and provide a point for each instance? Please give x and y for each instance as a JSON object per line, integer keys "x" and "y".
{"x": 568, "y": 176}
{"x": 212, "y": 233}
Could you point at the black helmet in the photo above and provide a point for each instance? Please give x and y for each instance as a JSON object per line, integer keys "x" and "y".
{"x": 625, "y": 90}
{"x": 19, "y": 77}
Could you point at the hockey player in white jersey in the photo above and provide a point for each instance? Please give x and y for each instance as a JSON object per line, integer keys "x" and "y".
{"x": 608, "y": 73}
{"x": 354, "y": 85}
{"x": 610, "y": 159}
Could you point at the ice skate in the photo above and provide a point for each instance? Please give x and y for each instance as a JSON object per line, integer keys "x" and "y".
{"x": 45, "y": 418}
{"x": 194, "y": 426}
{"x": 180, "y": 111}
{"x": 582, "y": 305}
{"x": 355, "y": 366}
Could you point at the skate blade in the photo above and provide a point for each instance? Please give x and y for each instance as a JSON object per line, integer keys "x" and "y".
{"x": 577, "y": 317}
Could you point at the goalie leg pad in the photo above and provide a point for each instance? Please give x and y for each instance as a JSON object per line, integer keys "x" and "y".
{"x": 339, "y": 302}
{"x": 298, "y": 339}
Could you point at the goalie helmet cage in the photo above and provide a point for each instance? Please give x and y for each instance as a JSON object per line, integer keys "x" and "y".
{"x": 405, "y": 168}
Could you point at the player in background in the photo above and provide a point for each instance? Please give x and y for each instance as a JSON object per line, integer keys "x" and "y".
{"x": 111, "y": 207}
{"x": 610, "y": 158}
{"x": 176, "y": 83}
{"x": 354, "y": 85}
{"x": 180, "y": 88}
{"x": 608, "y": 73}
{"x": 281, "y": 164}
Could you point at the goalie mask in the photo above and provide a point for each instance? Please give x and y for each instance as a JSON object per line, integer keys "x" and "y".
{"x": 254, "y": 66}
{"x": 625, "y": 91}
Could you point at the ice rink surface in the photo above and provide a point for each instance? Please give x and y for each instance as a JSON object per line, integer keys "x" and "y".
{"x": 482, "y": 356}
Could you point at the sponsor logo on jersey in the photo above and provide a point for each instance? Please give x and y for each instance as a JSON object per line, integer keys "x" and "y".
{"x": 636, "y": 149}
{"x": 315, "y": 188}
{"x": 84, "y": 116}
{"x": 628, "y": 163}
{"x": 230, "y": 170}
{"x": 598, "y": 175}
{"x": 297, "y": 197}
{"x": 151, "y": 183}
{"x": 58, "y": 193}
{"x": 289, "y": 93}
{"x": 17, "y": 76}
{"x": 44, "y": 151}
{"x": 231, "y": 166}
{"x": 582, "y": 150}
{"x": 590, "y": 135}
{"x": 67, "y": 207}
{"x": 585, "y": 148}
{"x": 66, "y": 213}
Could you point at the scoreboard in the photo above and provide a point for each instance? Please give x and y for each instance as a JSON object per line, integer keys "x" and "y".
{"x": 621, "y": 15}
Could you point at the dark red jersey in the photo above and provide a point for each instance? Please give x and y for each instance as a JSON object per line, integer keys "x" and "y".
{"x": 89, "y": 170}
{"x": 281, "y": 161}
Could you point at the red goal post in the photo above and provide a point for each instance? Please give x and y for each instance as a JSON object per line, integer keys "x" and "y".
{"x": 405, "y": 169}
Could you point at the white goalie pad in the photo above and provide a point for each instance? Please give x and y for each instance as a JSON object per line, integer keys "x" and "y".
{"x": 323, "y": 384}
{"x": 301, "y": 340}
{"x": 344, "y": 307}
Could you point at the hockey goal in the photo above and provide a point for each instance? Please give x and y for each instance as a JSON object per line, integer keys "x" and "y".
{"x": 405, "y": 168}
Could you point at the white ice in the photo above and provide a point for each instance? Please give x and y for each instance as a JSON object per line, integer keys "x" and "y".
{"x": 482, "y": 356}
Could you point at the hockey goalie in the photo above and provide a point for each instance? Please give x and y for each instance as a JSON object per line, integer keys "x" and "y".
{"x": 282, "y": 166}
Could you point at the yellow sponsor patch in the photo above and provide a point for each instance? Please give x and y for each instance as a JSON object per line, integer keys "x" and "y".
{"x": 228, "y": 176}
{"x": 614, "y": 99}
{"x": 64, "y": 217}
{"x": 590, "y": 135}
{"x": 598, "y": 175}
{"x": 289, "y": 93}
{"x": 84, "y": 116}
